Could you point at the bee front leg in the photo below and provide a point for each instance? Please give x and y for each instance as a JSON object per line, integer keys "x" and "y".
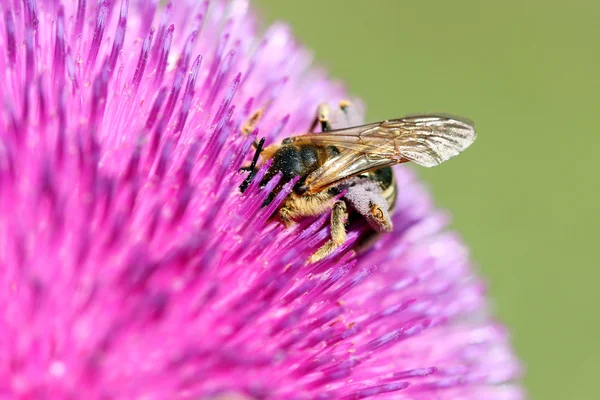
{"x": 339, "y": 217}
{"x": 298, "y": 206}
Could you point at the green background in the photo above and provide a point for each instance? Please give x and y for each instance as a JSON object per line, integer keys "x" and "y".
{"x": 525, "y": 196}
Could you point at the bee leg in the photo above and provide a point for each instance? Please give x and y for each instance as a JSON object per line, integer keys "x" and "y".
{"x": 297, "y": 206}
{"x": 252, "y": 168}
{"x": 257, "y": 152}
{"x": 322, "y": 118}
{"x": 339, "y": 217}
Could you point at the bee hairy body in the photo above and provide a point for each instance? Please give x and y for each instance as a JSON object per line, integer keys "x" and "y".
{"x": 301, "y": 160}
{"x": 348, "y": 173}
{"x": 295, "y": 160}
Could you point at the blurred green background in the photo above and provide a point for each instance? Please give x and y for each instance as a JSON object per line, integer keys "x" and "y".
{"x": 526, "y": 195}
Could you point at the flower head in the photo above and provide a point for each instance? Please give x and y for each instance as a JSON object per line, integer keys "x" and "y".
{"x": 132, "y": 266}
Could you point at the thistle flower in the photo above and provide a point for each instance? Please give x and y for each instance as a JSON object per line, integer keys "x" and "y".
{"x": 131, "y": 265}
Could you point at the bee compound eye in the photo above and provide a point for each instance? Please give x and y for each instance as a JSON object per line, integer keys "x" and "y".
{"x": 377, "y": 212}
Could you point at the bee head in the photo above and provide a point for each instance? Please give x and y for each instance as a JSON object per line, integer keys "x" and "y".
{"x": 378, "y": 217}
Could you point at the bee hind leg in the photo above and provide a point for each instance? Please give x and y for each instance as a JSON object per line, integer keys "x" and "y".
{"x": 339, "y": 217}
{"x": 252, "y": 167}
{"x": 323, "y": 117}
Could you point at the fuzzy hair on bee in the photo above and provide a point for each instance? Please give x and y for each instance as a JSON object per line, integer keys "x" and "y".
{"x": 355, "y": 162}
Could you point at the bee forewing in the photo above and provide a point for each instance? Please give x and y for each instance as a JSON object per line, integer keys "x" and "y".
{"x": 346, "y": 165}
{"x": 425, "y": 140}
{"x": 431, "y": 140}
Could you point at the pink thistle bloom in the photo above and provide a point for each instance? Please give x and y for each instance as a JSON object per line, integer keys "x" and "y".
{"x": 133, "y": 268}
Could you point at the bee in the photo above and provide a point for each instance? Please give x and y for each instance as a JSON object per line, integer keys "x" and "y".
{"x": 347, "y": 170}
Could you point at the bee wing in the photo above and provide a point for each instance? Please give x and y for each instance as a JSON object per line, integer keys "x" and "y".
{"x": 348, "y": 164}
{"x": 425, "y": 140}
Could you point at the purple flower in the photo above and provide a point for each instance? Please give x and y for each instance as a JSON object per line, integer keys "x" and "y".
{"x": 133, "y": 268}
